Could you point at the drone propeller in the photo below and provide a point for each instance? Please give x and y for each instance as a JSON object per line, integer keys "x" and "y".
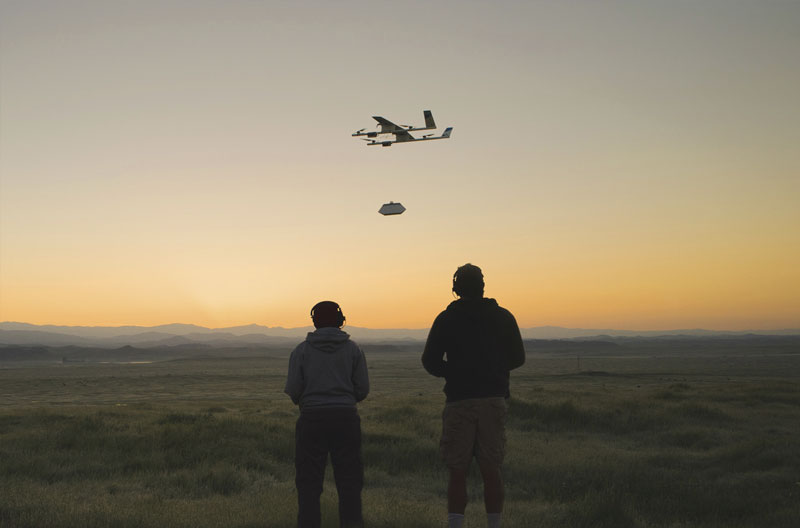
{"x": 360, "y": 131}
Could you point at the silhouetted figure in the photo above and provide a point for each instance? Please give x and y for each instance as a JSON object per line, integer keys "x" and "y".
{"x": 327, "y": 377}
{"x": 481, "y": 343}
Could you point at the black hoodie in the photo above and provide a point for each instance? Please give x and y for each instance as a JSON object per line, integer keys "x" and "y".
{"x": 474, "y": 344}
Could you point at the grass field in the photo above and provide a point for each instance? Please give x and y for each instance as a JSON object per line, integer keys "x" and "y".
{"x": 631, "y": 440}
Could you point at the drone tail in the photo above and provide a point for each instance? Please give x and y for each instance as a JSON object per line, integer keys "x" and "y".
{"x": 429, "y": 122}
{"x": 447, "y": 132}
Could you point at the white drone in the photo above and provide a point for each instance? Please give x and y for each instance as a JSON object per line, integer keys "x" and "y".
{"x": 401, "y": 132}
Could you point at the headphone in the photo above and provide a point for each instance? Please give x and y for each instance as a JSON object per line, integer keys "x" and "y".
{"x": 324, "y": 306}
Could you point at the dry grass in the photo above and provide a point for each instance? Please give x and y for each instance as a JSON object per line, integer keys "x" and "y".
{"x": 628, "y": 442}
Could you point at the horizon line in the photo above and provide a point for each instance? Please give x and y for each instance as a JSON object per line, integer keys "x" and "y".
{"x": 581, "y": 328}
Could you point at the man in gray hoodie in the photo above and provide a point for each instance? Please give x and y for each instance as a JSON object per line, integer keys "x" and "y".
{"x": 327, "y": 377}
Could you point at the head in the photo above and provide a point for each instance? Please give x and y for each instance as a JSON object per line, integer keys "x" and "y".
{"x": 468, "y": 281}
{"x": 327, "y": 314}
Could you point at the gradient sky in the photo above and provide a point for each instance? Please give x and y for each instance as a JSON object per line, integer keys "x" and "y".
{"x": 631, "y": 165}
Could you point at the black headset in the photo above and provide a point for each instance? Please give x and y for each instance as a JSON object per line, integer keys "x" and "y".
{"x": 340, "y": 316}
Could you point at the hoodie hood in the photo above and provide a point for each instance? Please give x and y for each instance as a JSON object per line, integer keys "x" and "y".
{"x": 475, "y": 309}
{"x": 327, "y": 339}
{"x": 472, "y": 305}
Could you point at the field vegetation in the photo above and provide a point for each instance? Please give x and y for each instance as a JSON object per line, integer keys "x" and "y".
{"x": 655, "y": 436}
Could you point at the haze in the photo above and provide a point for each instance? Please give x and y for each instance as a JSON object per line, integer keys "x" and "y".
{"x": 624, "y": 165}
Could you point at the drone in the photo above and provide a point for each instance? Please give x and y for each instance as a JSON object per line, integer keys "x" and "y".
{"x": 401, "y": 132}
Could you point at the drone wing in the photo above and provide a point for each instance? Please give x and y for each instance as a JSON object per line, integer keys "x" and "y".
{"x": 401, "y": 135}
{"x": 387, "y": 127}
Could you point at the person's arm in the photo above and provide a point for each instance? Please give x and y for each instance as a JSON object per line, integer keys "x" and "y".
{"x": 516, "y": 350}
{"x": 433, "y": 355}
{"x": 360, "y": 375}
{"x": 295, "y": 384}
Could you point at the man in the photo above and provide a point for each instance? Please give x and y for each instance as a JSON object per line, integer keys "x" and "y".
{"x": 481, "y": 343}
{"x": 327, "y": 377}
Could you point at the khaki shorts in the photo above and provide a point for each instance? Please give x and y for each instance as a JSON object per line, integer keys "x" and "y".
{"x": 474, "y": 427}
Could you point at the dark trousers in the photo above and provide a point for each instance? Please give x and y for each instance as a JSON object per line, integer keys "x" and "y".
{"x": 338, "y": 432}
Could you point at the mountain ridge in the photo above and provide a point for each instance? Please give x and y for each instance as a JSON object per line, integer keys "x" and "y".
{"x": 17, "y": 333}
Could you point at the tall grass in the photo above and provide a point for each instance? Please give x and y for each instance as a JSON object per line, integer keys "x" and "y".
{"x": 583, "y": 451}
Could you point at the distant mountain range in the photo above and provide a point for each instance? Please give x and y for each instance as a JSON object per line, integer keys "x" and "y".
{"x": 12, "y": 333}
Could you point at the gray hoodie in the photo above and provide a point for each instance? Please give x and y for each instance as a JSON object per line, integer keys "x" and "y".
{"x": 328, "y": 369}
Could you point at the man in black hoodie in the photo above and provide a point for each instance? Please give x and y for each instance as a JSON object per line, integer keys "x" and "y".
{"x": 327, "y": 377}
{"x": 473, "y": 344}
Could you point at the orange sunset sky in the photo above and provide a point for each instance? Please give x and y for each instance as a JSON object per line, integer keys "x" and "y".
{"x": 630, "y": 165}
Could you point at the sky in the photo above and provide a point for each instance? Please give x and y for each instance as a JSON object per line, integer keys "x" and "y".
{"x": 615, "y": 164}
